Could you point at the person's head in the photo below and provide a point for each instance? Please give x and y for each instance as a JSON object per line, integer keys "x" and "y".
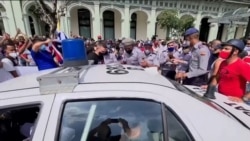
{"x": 231, "y": 49}
{"x": 248, "y": 42}
{"x": 216, "y": 50}
{"x": 163, "y": 43}
{"x": 100, "y": 47}
{"x": 148, "y": 47}
{"x": 215, "y": 44}
{"x": 9, "y": 49}
{"x": 99, "y": 37}
{"x": 20, "y": 40}
{"x": 192, "y": 36}
{"x": 185, "y": 48}
{"x": 171, "y": 45}
{"x": 128, "y": 45}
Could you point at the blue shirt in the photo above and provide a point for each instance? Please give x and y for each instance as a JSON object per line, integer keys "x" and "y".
{"x": 44, "y": 60}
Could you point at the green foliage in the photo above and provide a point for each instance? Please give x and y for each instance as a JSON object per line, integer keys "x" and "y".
{"x": 169, "y": 19}
{"x": 185, "y": 22}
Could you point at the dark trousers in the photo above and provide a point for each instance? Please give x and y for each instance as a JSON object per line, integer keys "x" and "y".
{"x": 196, "y": 81}
{"x": 169, "y": 74}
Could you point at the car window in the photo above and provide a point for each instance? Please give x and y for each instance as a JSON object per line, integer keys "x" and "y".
{"x": 176, "y": 128}
{"x": 113, "y": 120}
{"x": 18, "y": 123}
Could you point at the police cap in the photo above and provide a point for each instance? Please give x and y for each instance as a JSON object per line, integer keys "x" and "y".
{"x": 191, "y": 31}
{"x": 239, "y": 44}
{"x": 148, "y": 43}
{"x": 128, "y": 42}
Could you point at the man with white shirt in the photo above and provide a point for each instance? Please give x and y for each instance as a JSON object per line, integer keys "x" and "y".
{"x": 9, "y": 62}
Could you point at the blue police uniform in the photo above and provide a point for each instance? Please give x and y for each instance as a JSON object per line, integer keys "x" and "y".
{"x": 200, "y": 54}
{"x": 152, "y": 59}
{"x": 110, "y": 58}
{"x": 135, "y": 57}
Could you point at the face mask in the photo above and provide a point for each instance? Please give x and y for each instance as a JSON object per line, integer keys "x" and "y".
{"x": 43, "y": 47}
{"x": 186, "y": 50}
{"x": 147, "y": 52}
{"x": 224, "y": 55}
{"x": 128, "y": 51}
{"x": 170, "y": 49}
{"x": 13, "y": 54}
{"x": 247, "y": 48}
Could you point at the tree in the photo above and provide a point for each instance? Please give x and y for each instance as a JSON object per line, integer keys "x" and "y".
{"x": 185, "y": 22}
{"x": 48, "y": 15}
{"x": 169, "y": 20}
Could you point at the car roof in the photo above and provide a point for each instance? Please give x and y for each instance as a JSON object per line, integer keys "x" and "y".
{"x": 92, "y": 74}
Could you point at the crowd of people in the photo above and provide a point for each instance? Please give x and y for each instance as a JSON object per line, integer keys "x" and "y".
{"x": 213, "y": 66}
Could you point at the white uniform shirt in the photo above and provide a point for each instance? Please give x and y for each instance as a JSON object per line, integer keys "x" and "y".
{"x": 5, "y": 70}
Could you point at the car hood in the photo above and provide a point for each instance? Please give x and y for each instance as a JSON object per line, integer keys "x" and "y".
{"x": 240, "y": 111}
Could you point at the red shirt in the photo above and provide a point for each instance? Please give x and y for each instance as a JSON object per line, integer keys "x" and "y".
{"x": 233, "y": 78}
{"x": 246, "y": 59}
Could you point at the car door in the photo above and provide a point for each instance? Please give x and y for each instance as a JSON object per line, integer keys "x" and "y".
{"x": 77, "y": 116}
{"x": 28, "y": 114}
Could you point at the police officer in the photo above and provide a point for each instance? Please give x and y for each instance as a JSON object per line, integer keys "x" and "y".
{"x": 151, "y": 58}
{"x": 197, "y": 72}
{"x": 167, "y": 66}
{"x": 132, "y": 55}
{"x": 109, "y": 57}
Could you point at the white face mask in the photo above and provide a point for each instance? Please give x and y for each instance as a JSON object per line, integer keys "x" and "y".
{"x": 13, "y": 54}
{"x": 186, "y": 50}
{"x": 247, "y": 48}
{"x": 147, "y": 52}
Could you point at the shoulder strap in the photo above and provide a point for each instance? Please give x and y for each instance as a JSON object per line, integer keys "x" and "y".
{"x": 14, "y": 61}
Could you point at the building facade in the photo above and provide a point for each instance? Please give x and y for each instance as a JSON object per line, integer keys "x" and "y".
{"x": 121, "y": 18}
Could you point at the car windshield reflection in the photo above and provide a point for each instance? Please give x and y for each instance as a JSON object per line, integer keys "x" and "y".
{"x": 112, "y": 120}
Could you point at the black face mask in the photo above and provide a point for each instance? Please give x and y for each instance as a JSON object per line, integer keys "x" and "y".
{"x": 128, "y": 51}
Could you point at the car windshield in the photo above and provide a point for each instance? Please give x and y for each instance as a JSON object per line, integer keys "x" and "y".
{"x": 112, "y": 120}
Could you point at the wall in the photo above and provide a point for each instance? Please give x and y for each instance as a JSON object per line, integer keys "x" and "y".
{"x": 224, "y": 34}
{"x": 161, "y": 32}
{"x": 141, "y": 31}
{"x": 117, "y": 25}
{"x": 74, "y": 21}
{"x": 239, "y": 32}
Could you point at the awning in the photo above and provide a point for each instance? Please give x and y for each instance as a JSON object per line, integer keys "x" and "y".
{"x": 232, "y": 17}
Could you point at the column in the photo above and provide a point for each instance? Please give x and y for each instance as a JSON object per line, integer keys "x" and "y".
{"x": 151, "y": 29}
{"x": 17, "y": 14}
{"x": 27, "y": 25}
{"x": 11, "y": 19}
{"x": 68, "y": 21}
{"x": 197, "y": 22}
{"x": 5, "y": 22}
{"x": 214, "y": 27}
{"x": 36, "y": 25}
{"x": 231, "y": 32}
{"x": 126, "y": 22}
{"x": 96, "y": 20}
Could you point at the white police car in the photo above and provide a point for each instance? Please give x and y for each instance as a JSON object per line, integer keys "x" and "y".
{"x": 111, "y": 102}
